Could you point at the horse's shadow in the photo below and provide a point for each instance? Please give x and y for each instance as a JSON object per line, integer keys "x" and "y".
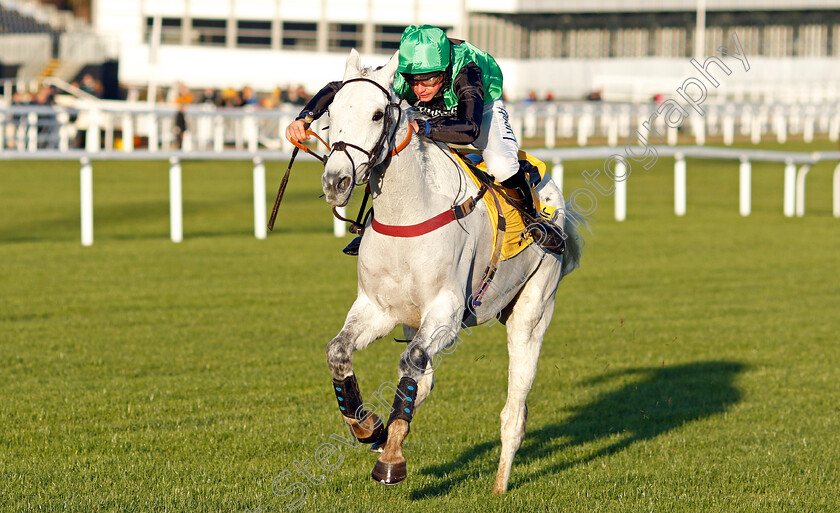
{"x": 657, "y": 400}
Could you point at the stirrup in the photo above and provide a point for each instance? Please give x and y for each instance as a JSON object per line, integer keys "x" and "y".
{"x": 352, "y": 249}
{"x": 547, "y": 236}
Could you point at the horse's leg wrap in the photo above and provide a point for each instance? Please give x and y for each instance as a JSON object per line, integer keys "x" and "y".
{"x": 390, "y": 468}
{"x": 350, "y": 403}
{"x": 349, "y": 397}
{"x": 404, "y": 401}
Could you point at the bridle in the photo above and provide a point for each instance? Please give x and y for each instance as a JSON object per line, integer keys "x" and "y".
{"x": 373, "y": 155}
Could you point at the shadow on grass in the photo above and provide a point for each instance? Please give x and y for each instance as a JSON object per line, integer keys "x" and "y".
{"x": 657, "y": 400}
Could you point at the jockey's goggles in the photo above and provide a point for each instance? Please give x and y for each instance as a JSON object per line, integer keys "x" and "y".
{"x": 425, "y": 80}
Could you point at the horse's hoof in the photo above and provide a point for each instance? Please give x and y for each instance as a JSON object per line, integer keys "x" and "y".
{"x": 389, "y": 473}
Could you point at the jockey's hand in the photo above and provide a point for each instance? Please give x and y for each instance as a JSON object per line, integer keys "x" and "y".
{"x": 295, "y": 131}
{"x": 415, "y": 126}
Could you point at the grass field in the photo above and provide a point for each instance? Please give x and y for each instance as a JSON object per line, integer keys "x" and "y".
{"x": 692, "y": 364}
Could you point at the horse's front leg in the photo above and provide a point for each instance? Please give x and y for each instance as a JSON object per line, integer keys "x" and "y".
{"x": 438, "y": 330}
{"x": 364, "y": 324}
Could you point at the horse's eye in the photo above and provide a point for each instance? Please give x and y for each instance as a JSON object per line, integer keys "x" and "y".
{"x": 378, "y": 115}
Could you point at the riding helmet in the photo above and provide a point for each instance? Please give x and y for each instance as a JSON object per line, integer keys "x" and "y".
{"x": 424, "y": 51}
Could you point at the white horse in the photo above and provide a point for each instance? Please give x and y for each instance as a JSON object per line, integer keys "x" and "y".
{"x": 425, "y": 282}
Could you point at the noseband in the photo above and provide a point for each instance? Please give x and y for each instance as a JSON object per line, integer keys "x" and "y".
{"x": 379, "y": 147}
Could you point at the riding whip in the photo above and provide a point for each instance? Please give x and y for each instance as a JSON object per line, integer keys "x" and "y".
{"x": 307, "y": 120}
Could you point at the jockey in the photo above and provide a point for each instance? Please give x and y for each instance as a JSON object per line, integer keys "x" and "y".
{"x": 460, "y": 88}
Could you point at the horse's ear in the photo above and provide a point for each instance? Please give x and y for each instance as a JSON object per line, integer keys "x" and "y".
{"x": 353, "y": 66}
{"x": 390, "y": 69}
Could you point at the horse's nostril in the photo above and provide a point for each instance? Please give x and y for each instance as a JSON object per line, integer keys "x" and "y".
{"x": 343, "y": 184}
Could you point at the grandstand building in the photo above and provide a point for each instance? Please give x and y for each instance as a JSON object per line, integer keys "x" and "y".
{"x": 628, "y": 49}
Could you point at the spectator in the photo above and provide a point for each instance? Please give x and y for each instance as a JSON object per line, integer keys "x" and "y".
{"x": 292, "y": 97}
{"x": 268, "y": 102}
{"x": 230, "y": 98}
{"x": 185, "y": 97}
{"x": 249, "y": 98}
{"x": 44, "y": 96}
{"x": 210, "y": 96}
{"x": 298, "y": 96}
{"x": 285, "y": 96}
{"x": 277, "y": 97}
{"x": 302, "y": 95}
{"x": 18, "y": 98}
{"x": 91, "y": 85}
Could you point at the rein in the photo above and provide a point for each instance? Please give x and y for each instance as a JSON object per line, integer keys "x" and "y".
{"x": 358, "y": 226}
{"x": 299, "y": 145}
{"x": 323, "y": 158}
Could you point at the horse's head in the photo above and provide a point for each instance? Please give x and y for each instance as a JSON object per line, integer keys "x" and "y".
{"x": 363, "y": 115}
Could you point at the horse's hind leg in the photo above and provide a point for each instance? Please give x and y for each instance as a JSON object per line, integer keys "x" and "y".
{"x": 525, "y": 327}
{"x": 364, "y": 324}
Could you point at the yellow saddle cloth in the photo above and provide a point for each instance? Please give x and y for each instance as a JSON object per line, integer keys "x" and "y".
{"x": 513, "y": 242}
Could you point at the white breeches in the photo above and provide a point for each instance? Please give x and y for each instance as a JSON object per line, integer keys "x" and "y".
{"x": 497, "y": 142}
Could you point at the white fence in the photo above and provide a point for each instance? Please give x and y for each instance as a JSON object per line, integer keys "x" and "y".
{"x": 618, "y": 121}
{"x": 176, "y": 225}
{"x": 793, "y": 200}
{"x": 112, "y": 125}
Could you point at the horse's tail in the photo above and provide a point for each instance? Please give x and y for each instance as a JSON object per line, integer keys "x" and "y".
{"x": 574, "y": 241}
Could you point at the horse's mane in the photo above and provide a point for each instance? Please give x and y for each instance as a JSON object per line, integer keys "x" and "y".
{"x": 430, "y": 151}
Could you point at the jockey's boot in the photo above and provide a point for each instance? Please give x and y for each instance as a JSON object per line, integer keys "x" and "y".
{"x": 352, "y": 249}
{"x": 545, "y": 233}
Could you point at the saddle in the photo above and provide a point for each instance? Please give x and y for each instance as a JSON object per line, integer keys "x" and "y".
{"x": 514, "y": 229}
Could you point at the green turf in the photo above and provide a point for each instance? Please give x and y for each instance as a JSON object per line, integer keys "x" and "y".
{"x": 692, "y": 363}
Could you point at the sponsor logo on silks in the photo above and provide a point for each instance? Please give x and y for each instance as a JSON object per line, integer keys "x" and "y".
{"x": 510, "y": 136}
{"x": 438, "y": 113}
{"x": 506, "y": 119}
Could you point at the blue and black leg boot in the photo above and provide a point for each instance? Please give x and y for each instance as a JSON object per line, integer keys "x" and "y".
{"x": 350, "y": 403}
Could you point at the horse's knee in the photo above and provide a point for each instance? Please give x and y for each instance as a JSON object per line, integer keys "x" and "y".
{"x": 340, "y": 357}
{"x": 414, "y": 361}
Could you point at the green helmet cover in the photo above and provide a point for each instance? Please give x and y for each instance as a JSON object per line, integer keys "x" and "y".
{"x": 423, "y": 49}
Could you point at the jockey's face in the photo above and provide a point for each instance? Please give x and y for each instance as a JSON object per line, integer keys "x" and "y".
{"x": 425, "y": 90}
